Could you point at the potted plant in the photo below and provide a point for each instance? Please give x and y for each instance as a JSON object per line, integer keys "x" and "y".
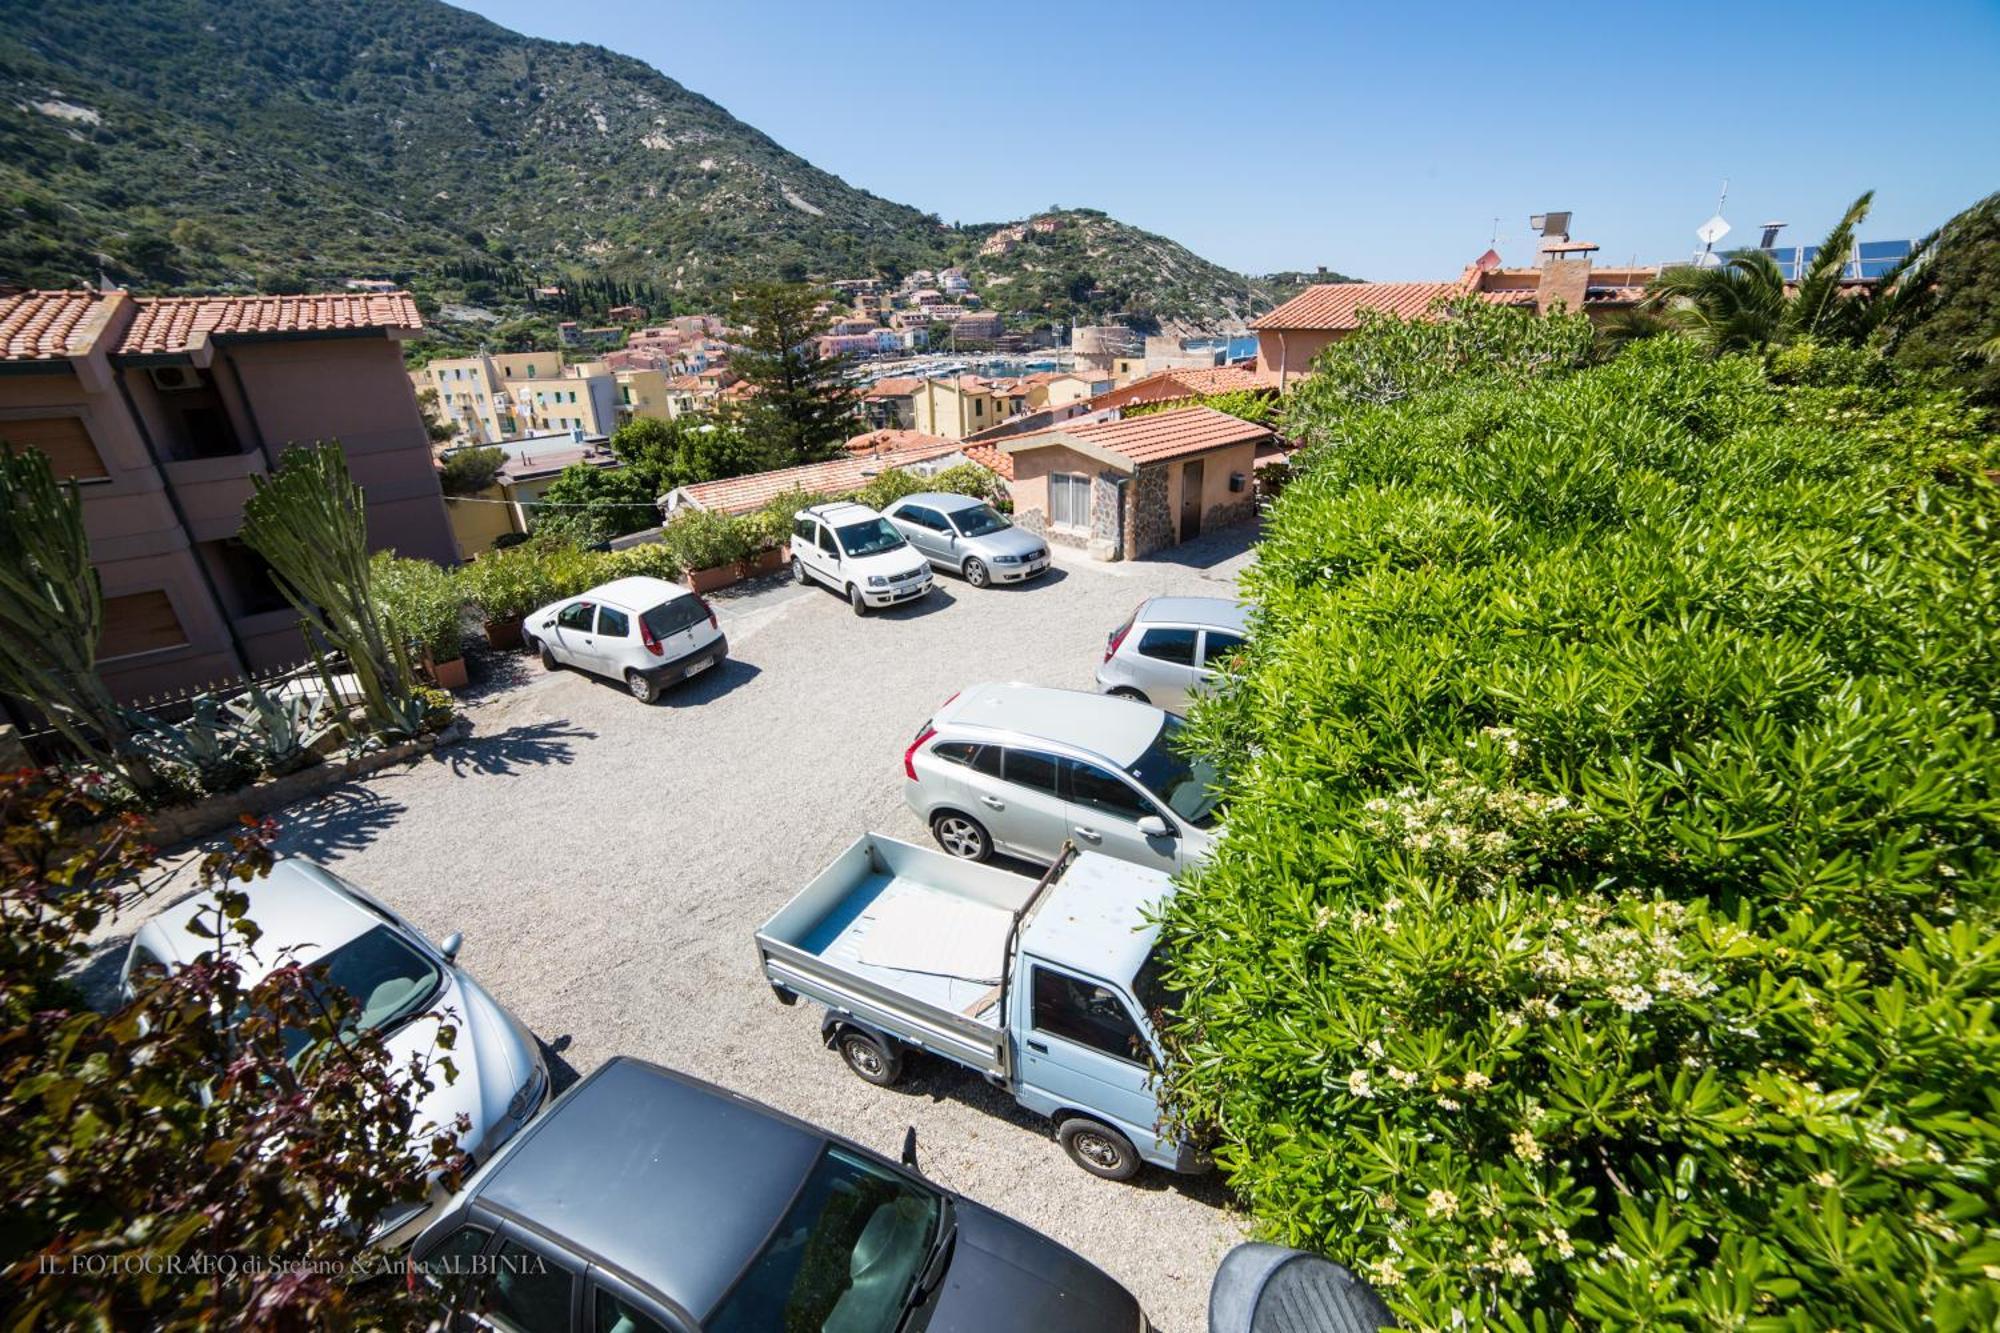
{"x": 422, "y": 602}
{"x": 710, "y": 547}
{"x": 505, "y": 586}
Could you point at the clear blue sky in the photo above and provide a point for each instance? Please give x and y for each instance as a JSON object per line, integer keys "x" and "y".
{"x": 1380, "y": 139}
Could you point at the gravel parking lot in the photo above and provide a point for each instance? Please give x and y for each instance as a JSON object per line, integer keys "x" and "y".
{"x": 608, "y": 862}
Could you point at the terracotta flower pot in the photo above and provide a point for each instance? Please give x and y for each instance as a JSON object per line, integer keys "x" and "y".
{"x": 504, "y": 634}
{"x": 716, "y": 576}
{"x": 769, "y": 561}
{"x": 450, "y": 675}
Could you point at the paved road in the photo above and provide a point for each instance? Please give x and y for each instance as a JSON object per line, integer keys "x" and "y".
{"x": 608, "y": 862}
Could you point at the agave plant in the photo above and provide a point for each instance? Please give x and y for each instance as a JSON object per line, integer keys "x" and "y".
{"x": 282, "y": 727}
{"x": 210, "y": 744}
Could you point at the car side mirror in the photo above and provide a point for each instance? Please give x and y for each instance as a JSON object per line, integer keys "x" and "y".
{"x": 452, "y": 944}
{"x": 910, "y": 1147}
{"x": 1155, "y": 827}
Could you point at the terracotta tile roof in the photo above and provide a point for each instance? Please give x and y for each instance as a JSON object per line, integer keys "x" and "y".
{"x": 46, "y": 326}
{"x": 174, "y": 323}
{"x": 739, "y": 495}
{"x": 991, "y": 457}
{"x": 1338, "y": 305}
{"x": 1190, "y": 382}
{"x": 1155, "y": 437}
{"x": 878, "y": 441}
{"x": 894, "y": 386}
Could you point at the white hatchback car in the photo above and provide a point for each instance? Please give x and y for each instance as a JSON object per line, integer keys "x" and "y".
{"x": 859, "y": 554}
{"x": 646, "y": 632}
{"x": 403, "y": 984}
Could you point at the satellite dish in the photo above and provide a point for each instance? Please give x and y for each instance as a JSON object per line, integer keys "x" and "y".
{"x": 1711, "y": 231}
{"x": 1708, "y": 259}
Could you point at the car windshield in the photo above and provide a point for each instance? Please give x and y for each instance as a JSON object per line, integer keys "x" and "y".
{"x": 979, "y": 521}
{"x": 1160, "y": 1001}
{"x": 388, "y": 980}
{"x": 1187, "y": 785}
{"x": 845, "y": 1256}
{"x": 870, "y": 538}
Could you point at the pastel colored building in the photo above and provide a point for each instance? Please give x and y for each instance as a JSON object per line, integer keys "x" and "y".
{"x": 164, "y": 410}
{"x": 1121, "y": 489}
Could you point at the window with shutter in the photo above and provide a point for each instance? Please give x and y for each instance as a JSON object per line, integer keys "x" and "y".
{"x": 63, "y": 439}
{"x": 140, "y": 622}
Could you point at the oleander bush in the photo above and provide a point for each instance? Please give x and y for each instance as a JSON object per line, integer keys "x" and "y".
{"x": 422, "y": 602}
{"x": 1603, "y": 935}
{"x": 702, "y": 539}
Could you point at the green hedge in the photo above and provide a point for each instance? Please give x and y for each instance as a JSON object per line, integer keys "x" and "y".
{"x": 1603, "y": 933}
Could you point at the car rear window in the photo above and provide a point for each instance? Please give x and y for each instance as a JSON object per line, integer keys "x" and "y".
{"x": 672, "y": 617}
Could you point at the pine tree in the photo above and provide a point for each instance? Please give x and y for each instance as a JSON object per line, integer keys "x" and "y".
{"x": 803, "y": 405}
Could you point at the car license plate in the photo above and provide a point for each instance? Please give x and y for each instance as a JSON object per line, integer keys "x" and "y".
{"x": 700, "y": 667}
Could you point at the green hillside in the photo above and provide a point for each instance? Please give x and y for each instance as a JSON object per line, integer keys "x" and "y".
{"x": 284, "y": 144}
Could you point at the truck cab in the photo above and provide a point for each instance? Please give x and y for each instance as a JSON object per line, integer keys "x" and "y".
{"x": 1048, "y": 988}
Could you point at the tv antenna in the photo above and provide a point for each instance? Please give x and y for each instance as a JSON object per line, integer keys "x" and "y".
{"x": 1711, "y": 231}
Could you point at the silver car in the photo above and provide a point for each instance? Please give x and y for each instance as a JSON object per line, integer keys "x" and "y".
{"x": 403, "y": 984}
{"x": 1022, "y": 769}
{"x": 968, "y": 537}
{"x": 1170, "y": 649}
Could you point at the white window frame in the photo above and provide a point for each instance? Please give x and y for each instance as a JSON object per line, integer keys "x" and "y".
{"x": 1070, "y": 484}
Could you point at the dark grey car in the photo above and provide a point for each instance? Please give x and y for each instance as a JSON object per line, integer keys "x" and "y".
{"x": 645, "y": 1201}
{"x": 968, "y": 537}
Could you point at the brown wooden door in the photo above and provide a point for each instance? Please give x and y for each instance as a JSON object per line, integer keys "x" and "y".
{"x": 1191, "y": 500}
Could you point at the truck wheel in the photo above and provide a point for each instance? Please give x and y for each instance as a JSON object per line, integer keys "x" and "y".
{"x": 1098, "y": 1149}
{"x": 961, "y": 835}
{"x": 870, "y": 1059}
{"x": 856, "y": 600}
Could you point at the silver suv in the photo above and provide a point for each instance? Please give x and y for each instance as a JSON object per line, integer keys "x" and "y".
{"x": 966, "y": 536}
{"x": 1170, "y": 649}
{"x": 1022, "y": 769}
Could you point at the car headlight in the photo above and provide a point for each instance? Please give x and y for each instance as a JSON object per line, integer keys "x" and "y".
{"x": 877, "y": 581}
{"x": 1006, "y": 559}
{"x": 527, "y": 1094}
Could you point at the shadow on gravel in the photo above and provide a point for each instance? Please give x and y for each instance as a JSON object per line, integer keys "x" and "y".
{"x": 493, "y": 671}
{"x": 345, "y": 819}
{"x": 1208, "y": 550}
{"x": 530, "y": 745}
{"x": 1054, "y": 574}
{"x": 940, "y": 597}
{"x": 750, "y": 587}
{"x": 711, "y": 684}
{"x": 938, "y": 1080}
{"x": 561, "y": 1072}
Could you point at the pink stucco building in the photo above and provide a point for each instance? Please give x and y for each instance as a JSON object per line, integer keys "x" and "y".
{"x": 163, "y": 409}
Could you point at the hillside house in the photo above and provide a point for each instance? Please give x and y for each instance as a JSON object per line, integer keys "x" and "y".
{"x": 164, "y": 410}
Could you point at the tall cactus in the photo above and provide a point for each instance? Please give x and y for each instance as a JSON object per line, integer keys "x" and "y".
{"x": 51, "y": 615}
{"x": 307, "y": 520}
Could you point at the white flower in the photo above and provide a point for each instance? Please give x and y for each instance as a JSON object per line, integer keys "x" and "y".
{"x": 1383, "y": 1273}
{"x": 1632, "y": 999}
{"x": 1476, "y": 1081}
{"x": 1449, "y": 1103}
{"x": 1525, "y": 1146}
{"x": 1358, "y": 1085}
{"x": 1403, "y": 1076}
{"x": 1441, "y": 1203}
{"x": 1374, "y": 1048}
{"x": 1518, "y": 1265}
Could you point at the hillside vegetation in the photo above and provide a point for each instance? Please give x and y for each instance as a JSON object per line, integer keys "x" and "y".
{"x": 1603, "y": 935}
{"x": 286, "y": 144}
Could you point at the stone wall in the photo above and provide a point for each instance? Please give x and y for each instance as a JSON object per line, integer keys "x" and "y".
{"x": 1236, "y": 511}
{"x": 1107, "y": 516}
{"x": 1151, "y": 526}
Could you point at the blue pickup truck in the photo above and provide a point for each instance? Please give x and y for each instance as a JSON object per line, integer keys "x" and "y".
{"x": 1046, "y": 987}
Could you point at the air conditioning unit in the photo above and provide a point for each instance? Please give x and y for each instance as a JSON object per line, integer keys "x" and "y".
{"x": 175, "y": 379}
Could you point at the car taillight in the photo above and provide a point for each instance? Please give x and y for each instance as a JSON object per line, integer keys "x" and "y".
{"x": 711, "y": 612}
{"x": 650, "y": 639}
{"x": 1118, "y": 637}
{"x": 910, "y": 755}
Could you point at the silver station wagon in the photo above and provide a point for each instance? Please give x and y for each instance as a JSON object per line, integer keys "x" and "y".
{"x": 968, "y": 537}
{"x": 1022, "y": 769}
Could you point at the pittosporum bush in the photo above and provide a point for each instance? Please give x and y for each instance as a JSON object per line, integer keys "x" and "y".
{"x": 1603, "y": 931}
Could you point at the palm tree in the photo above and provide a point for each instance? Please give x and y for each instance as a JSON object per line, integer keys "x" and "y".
{"x": 1746, "y": 304}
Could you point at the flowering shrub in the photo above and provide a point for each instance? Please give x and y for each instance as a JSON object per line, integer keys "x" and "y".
{"x": 1603, "y": 930}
